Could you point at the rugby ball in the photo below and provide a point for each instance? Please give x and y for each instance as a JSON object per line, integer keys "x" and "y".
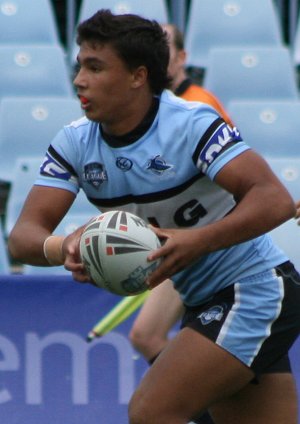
{"x": 114, "y": 247}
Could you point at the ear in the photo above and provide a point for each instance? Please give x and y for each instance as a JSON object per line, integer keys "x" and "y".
{"x": 181, "y": 56}
{"x": 139, "y": 76}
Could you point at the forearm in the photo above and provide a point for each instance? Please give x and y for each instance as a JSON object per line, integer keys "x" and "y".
{"x": 29, "y": 245}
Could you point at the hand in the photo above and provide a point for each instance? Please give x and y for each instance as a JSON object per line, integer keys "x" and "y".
{"x": 298, "y": 211}
{"x": 180, "y": 248}
{"x": 70, "y": 248}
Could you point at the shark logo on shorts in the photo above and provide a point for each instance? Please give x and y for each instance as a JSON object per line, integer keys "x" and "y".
{"x": 215, "y": 313}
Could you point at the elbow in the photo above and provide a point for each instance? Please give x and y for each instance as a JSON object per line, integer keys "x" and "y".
{"x": 288, "y": 208}
{"x": 14, "y": 245}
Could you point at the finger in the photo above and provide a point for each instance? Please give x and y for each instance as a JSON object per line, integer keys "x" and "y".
{"x": 72, "y": 266}
{"x": 163, "y": 272}
{"x": 81, "y": 278}
{"x": 161, "y": 234}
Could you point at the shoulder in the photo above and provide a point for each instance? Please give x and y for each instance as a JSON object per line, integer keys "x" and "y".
{"x": 81, "y": 129}
{"x": 171, "y": 102}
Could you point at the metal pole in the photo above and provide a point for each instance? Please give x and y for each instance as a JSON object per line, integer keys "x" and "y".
{"x": 293, "y": 20}
{"x": 178, "y": 13}
{"x": 70, "y": 26}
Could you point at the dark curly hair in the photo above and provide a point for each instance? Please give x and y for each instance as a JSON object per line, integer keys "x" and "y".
{"x": 137, "y": 41}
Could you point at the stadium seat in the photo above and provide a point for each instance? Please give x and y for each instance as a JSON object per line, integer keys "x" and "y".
{"x": 82, "y": 209}
{"x": 254, "y": 73}
{"x": 25, "y": 173}
{"x": 44, "y": 270}
{"x": 4, "y": 261}
{"x": 287, "y": 169}
{"x": 34, "y": 70}
{"x": 287, "y": 235}
{"x": 154, "y": 9}
{"x": 240, "y": 23}
{"x": 30, "y": 21}
{"x": 295, "y": 44}
{"x": 28, "y": 124}
{"x": 270, "y": 127}
{"x": 69, "y": 224}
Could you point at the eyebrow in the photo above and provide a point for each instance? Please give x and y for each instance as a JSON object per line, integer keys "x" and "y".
{"x": 90, "y": 61}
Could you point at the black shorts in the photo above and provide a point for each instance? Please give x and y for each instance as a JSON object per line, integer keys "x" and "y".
{"x": 257, "y": 319}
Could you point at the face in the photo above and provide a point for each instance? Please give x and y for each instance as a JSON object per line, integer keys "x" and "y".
{"x": 104, "y": 85}
{"x": 176, "y": 58}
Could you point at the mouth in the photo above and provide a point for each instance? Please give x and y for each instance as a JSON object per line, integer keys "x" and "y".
{"x": 84, "y": 102}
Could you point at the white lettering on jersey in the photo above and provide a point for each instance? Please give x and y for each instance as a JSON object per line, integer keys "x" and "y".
{"x": 222, "y": 136}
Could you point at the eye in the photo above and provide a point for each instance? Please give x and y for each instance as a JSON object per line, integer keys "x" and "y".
{"x": 95, "y": 68}
{"x": 76, "y": 70}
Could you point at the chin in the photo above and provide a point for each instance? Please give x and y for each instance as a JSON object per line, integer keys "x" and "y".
{"x": 92, "y": 117}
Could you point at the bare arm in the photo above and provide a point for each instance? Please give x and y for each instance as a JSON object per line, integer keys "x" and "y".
{"x": 298, "y": 211}
{"x": 43, "y": 210}
{"x": 262, "y": 204}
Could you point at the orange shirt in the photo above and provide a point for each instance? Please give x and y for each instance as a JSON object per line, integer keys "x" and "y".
{"x": 193, "y": 92}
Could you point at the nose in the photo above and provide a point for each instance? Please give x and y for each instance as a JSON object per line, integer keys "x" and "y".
{"x": 78, "y": 80}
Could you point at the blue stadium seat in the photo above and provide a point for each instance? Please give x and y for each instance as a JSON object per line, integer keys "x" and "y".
{"x": 4, "y": 260}
{"x": 69, "y": 224}
{"x": 240, "y": 23}
{"x": 25, "y": 172}
{"x": 30, "y": 21}
{"x": 28, "y": 125}
{"x": 295, "y": 46}
{"x": 270, "y": 127}
{"x": 44, "y": 270}
{"x": 34, "y": 70}
{"x": 287, "y": 236}
{"x": 254, "y": 73}
{"x": 81, "y": 208}
{"x": 154, "y": 9}
{"x": 287, "y": 169}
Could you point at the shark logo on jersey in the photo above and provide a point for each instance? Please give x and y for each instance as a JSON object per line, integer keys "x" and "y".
{"x": 223, "y": 135}
{"x": 158, "y": 165}
{"x": 94, "y": 174}
{"x": 214, "y": 313}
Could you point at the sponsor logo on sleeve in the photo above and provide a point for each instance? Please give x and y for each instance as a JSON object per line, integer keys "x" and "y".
{"x": 51, "y": 168}
{"x": 223, "y": 135}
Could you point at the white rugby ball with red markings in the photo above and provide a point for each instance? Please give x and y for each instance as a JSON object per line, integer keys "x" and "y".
{"x": 114, "y": 248}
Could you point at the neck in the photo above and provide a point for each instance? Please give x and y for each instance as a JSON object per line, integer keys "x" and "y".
{"x": 178, "y": 79}
{"x": 129, "y": 117}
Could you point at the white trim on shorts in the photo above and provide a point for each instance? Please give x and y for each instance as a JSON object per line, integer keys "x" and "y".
{"x": 257, "y": 305}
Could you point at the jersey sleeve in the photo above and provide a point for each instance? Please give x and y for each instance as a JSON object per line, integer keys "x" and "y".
{"x": 218, "y": 145}
{"x": 57, "y": 170}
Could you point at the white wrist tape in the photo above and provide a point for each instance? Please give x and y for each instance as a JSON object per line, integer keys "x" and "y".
{"x": 52, "y": 249}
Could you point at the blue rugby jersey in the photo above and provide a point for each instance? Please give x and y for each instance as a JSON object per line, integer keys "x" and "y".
{"x": 166, "y": 177}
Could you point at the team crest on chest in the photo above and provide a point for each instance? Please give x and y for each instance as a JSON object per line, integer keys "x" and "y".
{"x": 95, "y": 174}
{"x": 158, "y": 165}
